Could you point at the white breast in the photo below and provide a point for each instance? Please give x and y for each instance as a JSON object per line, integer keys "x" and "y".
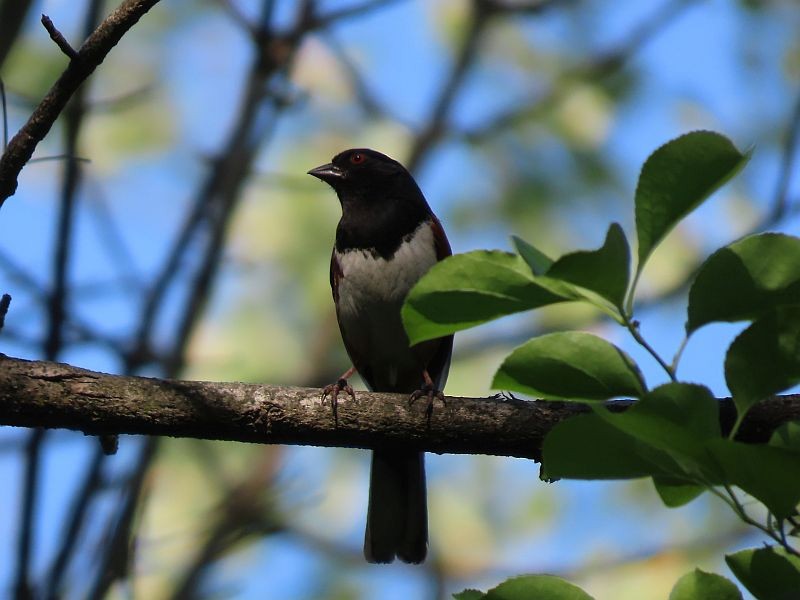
{"x": 371, "y": 293}
{"x": 372, "y": 279}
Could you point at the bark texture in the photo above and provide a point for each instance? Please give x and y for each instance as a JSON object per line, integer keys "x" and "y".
{"x": 56, "y": 395}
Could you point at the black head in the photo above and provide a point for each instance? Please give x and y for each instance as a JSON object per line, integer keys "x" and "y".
{"x": 362, "y": 172}
{"x": 380, "y": 200}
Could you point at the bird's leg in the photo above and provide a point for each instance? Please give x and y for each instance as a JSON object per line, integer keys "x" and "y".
{"x": 333, "y": 390}
{"x": 430, "y": 392}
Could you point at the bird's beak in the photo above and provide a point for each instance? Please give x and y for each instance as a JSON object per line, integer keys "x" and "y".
{"x": 329, "y": 173}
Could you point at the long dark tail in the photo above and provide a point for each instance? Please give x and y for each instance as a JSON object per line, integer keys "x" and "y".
{"x": 397, "y": 517}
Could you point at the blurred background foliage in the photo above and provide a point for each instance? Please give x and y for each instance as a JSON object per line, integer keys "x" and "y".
{"x": 194, "y": 246}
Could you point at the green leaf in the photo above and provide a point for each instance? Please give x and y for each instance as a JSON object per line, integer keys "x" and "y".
{"x": 588, "y": 447}
{"x": 570, "y": 366}
{"x": 787, "y": 436}
{"x": 765, "y": 358}
{"x": 746, "y": 279}
{"x": 675, "y": 493}
{"x": 469, "y": 289}
{"x": 699, "y": 585}
{"x": 768, "y": 573}
{"x": 605, "y": 271}
{"x": 537, "y": 260}
{"x": 469, "y": 595}
{"x": 690, "y": 406}
{"x": 676, "y": 178}
{"x": 767, "y": 473}
{"x": 536, "y": 587}
{"x": 675, "y": 418}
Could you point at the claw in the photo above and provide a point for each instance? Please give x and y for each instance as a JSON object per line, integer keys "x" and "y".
{"x": 430, "y": 392}
{"x": 333, "y": 391}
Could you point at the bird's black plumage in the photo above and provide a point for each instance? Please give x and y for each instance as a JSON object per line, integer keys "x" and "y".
{"x": 387, "y": 238}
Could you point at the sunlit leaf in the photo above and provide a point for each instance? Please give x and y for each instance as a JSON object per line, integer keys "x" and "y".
{"x": 469, "y": 289}
{"x": 537, "y": 260}
{"x": 604, "y": 271}
{"x": 531, "y": 587}
{"x": 699, "y": 585}
{"x": 572, "y": 366}
{"x": 676, "y": 178}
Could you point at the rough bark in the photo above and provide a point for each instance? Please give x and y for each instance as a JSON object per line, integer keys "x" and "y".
{"x": 55, "y": 395}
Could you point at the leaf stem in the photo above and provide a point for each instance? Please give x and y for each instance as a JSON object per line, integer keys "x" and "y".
{"x": 676, "y": 359}
{"x": 633, "y": 327}
{"x": 730, "y": 498}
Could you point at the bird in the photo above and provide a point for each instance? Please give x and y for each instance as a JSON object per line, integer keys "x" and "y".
{"x": 386, "y": 240}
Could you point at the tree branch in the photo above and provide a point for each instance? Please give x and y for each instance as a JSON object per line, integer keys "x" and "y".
{"x": 88, "y": 57}
{"x": 55, "y": 395}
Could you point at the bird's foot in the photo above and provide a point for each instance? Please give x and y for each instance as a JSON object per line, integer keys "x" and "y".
{"x": 332, "y": 392}
{"x": 430, "y": 392}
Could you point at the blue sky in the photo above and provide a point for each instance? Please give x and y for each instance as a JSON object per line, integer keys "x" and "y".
{"x": 693, "y": 78}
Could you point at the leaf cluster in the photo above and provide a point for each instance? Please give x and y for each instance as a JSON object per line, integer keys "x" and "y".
{"x": 672, "y": 433}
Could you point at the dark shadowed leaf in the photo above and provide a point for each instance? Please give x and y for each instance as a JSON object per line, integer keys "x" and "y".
{"x": 677, "y": 419}
{"x": 765, "y": 472}
{"x": 765, "y": 358}
{"x": 588, "y": 447}
{"x": 469, "y": 289}
{"x": 570, "y": 365}
{"x": 746, "y": 279}
{"x": 676, "y": 178}
{"x": 690, "y": 406}
{"x": 787, "y": 436}
{"x": 699, "y": 585}
{"x": 469, "y": 595}
{"x": 605, "y": 271}
{"x": 536, "y": 587}
{"x": 768, "y": 573}
{"x": 674, "y": 493}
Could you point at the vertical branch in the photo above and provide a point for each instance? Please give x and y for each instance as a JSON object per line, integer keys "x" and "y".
{"x": 479, "y": 19}
{"x": 116, "y": 558}
{"x": 12, "y": 17}
{"x": 77, "y": 516}
{"x": 56, "y": 309}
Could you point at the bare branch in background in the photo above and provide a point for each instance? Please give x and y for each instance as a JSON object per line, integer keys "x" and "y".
{"x": 5, "y": 303}
{"x": 90, "y": 55}
{"x": 12, "y": 17}
{"x": 596, "y": 68}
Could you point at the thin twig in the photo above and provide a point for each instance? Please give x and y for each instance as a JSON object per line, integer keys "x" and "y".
{"x": 58, "y": 38}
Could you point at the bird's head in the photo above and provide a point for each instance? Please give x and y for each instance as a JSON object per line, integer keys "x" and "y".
{"x": 364, "y": 173}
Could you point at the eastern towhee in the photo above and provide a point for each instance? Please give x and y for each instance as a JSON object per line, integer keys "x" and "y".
{"x": 387, "y": 239}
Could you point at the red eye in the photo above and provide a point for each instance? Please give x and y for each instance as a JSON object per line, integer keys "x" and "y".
{"x": 357, "y": 158}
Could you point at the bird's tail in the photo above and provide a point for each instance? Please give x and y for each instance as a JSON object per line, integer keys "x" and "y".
{"x": 397, "y": 517}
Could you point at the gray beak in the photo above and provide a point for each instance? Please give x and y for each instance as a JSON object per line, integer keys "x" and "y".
{"x": 329, "y": 173}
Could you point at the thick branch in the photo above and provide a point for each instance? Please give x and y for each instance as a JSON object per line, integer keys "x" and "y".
{"x": 54, "y": 395}
{"x": 88, "y": 57}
